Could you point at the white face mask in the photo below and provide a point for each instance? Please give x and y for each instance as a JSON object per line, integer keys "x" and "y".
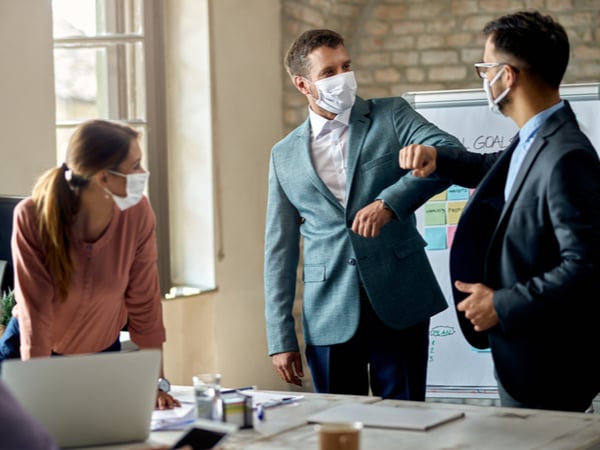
{"x": 136, "y": 186}
{"x": 487, "y": 87}
{"x": 336, "y": 93}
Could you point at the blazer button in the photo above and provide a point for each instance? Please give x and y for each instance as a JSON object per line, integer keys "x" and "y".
{"x": 352, "y": 261}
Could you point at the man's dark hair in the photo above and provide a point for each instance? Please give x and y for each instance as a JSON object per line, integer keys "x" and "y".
{"x": 538, "y": 43}
{"x": 296, "y": 59}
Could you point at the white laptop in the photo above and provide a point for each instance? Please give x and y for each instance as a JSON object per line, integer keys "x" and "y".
{"x": 84, "y": 400}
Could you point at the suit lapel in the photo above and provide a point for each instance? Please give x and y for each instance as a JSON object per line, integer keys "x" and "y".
{"x": 358, "y": 129}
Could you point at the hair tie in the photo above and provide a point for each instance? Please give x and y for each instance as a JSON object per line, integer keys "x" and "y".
{"x": 68, "y": 173}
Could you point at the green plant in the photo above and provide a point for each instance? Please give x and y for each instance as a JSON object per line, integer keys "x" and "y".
{"x": 6, "y": 306}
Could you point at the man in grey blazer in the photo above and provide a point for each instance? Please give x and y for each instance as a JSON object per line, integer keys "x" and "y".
{"x": 525, "y": 256}
{"x": 336, "y": 192}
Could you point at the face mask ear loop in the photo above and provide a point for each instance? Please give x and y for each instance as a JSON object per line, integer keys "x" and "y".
{"x": 497, "y": 76}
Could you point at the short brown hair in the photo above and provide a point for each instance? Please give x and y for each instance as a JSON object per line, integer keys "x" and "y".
{"x": 296, "y": 62}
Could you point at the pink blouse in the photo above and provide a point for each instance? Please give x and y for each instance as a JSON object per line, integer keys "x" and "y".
{"x": 115, "y": 280}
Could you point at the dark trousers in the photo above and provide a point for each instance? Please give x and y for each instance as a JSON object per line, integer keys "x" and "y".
{"x": 393, "y": 363}
{"x": 10, "y": 342}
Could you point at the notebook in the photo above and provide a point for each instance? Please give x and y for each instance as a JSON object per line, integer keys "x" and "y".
{"x": 94, "y": 399}
{"x": 378, "y": 416}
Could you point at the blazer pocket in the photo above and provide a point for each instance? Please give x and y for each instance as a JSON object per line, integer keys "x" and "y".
{"x": 527, "y": 203}
{"x": 410, "y": 246}
{"x": 313, "y": 273}
{"x": 388, "y": 158}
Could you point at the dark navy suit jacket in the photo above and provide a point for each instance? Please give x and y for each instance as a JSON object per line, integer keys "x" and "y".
{"x": 540, "y": 252}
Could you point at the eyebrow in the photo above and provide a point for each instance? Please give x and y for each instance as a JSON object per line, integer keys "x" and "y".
{"x": 328, "y": 68}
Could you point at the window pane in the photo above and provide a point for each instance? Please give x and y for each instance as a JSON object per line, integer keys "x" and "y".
{"x": 105, "y": 81}
{"x": 88, "y": 18}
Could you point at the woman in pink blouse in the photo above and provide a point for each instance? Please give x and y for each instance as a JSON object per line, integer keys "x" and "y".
{"x": 84, "y": 253}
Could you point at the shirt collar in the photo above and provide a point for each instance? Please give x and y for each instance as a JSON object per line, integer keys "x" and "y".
{"x": 317, "y": 122}
{"x": 533, "y": 125}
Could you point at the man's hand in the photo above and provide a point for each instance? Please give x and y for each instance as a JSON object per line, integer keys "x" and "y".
{"x": 370, "y": 219}
{"x": 479, "y": 306}
{"x": 420, "y": 158}
{"x": 289, "y": 367}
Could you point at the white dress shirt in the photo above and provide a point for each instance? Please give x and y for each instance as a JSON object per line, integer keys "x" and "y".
{"x": 328, "y": 143}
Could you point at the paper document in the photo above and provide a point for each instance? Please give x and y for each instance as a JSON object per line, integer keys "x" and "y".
{"x": 401, "y": 417}
{"x": 177, "y": 418}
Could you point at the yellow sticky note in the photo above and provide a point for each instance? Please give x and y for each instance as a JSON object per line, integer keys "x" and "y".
{"x": 455, "y": 209}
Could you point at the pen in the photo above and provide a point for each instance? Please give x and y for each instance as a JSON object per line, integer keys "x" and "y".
{"x": 277, "y": 402}
{"x": 260, "y": 412}
{"x": 245, "y": 388}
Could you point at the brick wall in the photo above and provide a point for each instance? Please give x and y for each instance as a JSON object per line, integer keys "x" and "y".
{"x": 399, "y": 46}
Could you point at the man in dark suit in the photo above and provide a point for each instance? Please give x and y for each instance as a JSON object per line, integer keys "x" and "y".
{"x": 369, "y": 290}
{"x": 525, "y": 256}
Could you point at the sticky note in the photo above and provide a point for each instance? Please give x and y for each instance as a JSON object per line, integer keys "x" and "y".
{"x": 436, "y": 238}
{"x": 458, "y": 193}
{"x": 455, "y": 209}
{"x": 435, "y": 213}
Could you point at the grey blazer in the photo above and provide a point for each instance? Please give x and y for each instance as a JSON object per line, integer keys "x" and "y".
{"x": 540, "y": 252}
{"x": 393, "y": 267}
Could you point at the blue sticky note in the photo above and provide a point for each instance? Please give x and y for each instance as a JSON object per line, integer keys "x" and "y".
{"x": 436, "y": 238}
{"x": 458, "y": 193}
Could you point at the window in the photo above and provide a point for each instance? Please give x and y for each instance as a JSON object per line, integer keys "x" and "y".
{"x": 108, "y": 64}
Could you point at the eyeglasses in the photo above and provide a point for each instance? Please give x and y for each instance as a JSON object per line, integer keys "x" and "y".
{"x": 483, "y": 67}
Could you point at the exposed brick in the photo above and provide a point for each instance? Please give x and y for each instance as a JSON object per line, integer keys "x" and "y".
{"x": 559, "y": 5}
{"x": 414, "y": 45}
{"x": 387, "y": 75}
{"x": 399, "y": 42}
{"x": 363, "y": 76}
{"x": 433, "y": 58}
{"x": 430, "y": 41}
{"x": 582, "y": 19}
{"x": 373, "y": 59}
{"x": 584, "y": 52}
{"x": 500, "y": 6}
{"x": 471, "y": 56}
{"x": 370, "y": 44}
{"x": 376, "y": 27}
{"x": 463, "y": 7}
{"x": 476, "y": 23}
{"x": 305, "y": 14}
{"x": 582, "y": 72}
{"x": 447, "y": 73}
{"x": 586, "y": 4}
{"x": 410, "y": 58}
{"x": 464, "y": 39}
{"x": 426, "y": 9}
{"x": 415, "y": 74}
{"x": 408, "y": 27}
{"x": 349, "y": 11}
{"x": 441, "y": 25}
{"x": 387, "y": 12}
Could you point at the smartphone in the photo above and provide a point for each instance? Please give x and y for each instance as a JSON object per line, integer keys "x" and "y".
{"x": 200, "y": 439}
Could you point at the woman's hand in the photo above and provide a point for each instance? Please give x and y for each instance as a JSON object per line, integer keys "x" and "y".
{"x": 165, "y": 401}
